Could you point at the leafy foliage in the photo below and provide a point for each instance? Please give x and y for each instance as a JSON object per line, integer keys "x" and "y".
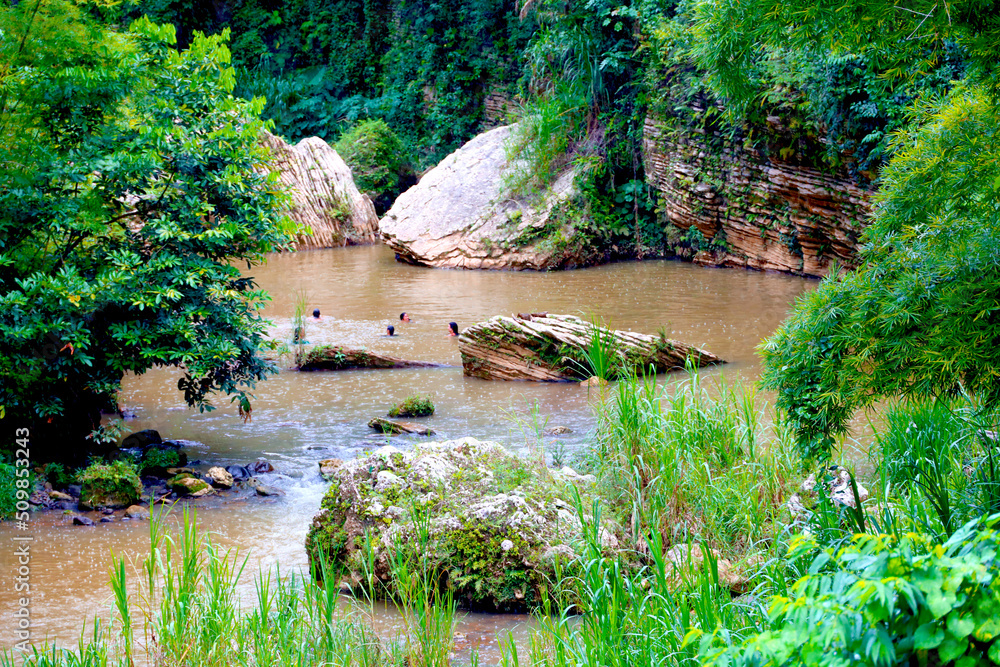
{"x": 883, "y": 601}
{"x": 116, "y": 482}
{"x": 919, "y": 317}
{"x": 130, "y": 182}
{"x": 413, "y": 406}
{"x": 377, "y": 160}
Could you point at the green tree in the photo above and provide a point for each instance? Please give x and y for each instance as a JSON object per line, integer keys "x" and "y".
{"x": 922, "y": 315}
{"x": 131, "y": 185}
{"x": 919, "y": 316}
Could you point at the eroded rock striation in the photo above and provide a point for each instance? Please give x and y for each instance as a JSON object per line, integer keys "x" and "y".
{"x": 751, "y": 211}
{"x": 552, "y": 348}
{"x": 323, "y": 192}
{"x": 497, "y": 525}
{"x": 459, "y": 216}
{"x": 337, "y": 358}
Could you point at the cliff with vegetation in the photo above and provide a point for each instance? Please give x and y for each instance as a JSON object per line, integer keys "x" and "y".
{"x": 736, "y": 207}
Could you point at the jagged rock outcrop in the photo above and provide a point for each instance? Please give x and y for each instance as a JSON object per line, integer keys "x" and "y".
{"x": 551, "y": 348}
{"x": 337, "y": 358}
{"x": 753, "y": 212}
{"x": 458, "y": 215}
{"x": 496, "y": 527}
{"x": 323, "y": 192}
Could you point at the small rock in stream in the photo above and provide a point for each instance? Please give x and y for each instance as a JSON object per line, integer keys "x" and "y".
{"x": 265, "y": 490}
{"x": 82, "y": 521}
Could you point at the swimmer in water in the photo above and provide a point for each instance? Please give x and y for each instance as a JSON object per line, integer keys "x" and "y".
{"x": 390, "y": 330}
{"x": 316, "y": 315}
{"x": 403, "y": 317}
{"x": 452, "y": 328}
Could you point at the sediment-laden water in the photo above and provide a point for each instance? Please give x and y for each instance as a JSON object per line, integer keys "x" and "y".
{"x": 300, "y": 418}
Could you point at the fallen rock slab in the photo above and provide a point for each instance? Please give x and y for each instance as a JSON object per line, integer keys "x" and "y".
{"x": 391, "y": 427}
{"x": 498, "y": 527}
{"x": 337, "y": 358}
{"x": 551, "y": 348}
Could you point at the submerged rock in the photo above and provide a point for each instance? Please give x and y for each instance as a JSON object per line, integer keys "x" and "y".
{"x": 553, "y": 348}
{"x": 460, "y": 215}
{"x": 390, "y": 427}
{"x": 498, "y": 526}
{"x": 337, "y": 358}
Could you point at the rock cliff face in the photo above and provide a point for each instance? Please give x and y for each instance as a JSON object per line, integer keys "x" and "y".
{"x": 458, "y": 216}
{"x": 324, "y": 195}
{"x": 750, "y": 211}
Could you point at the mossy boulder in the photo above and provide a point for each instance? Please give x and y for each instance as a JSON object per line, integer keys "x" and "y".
{"x": 499, "y": 526}
{"x": 413, "y": 406}
{"x": 185, "y": 484}
{"x": 114, "y": 484}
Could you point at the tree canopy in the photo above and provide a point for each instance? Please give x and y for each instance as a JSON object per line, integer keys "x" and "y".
{"x": 131, "y": 184}
{"x": 920, "y": 316}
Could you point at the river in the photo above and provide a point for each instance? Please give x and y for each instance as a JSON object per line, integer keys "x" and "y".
{"x": 300, "y": 418}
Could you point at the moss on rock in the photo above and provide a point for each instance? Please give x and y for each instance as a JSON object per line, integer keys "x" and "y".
{"x": 498, "y": 526}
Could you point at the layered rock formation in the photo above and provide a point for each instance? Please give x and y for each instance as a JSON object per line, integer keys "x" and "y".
{"x": 554, "y": 348}
{"x": 324, "y": 195}
{"x": 751, "y": 211}
{"x": 337, "y": 358}
{"x": 458, "y": 215}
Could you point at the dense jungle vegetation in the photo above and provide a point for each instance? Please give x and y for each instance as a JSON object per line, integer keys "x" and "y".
{"x": 108, "y": 117}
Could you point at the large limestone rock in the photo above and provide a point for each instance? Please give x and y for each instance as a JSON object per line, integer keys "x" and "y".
{"x": 324, "y": 195}
{"x": 552, "y": 348}
{"x": 458, "y": 216}
{"x": 498, "y": 526}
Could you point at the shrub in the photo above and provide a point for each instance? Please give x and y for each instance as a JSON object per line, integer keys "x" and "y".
{"x": 378, "y": 161}
{"x": 8, "y": 490}
{"x": 884, "y": 601}
{"x": 414, "y": 406}
{"x": 161, "y": 457}
{"x": 110, "y": 484}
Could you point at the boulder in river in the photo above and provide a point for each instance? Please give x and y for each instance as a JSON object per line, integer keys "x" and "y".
{"x": 220, "y": 478}
{"x": 186, "y": 485}
{"x": 324, "y": 195}
{"x": 390, "y": 427}
{"x": 137, "y": 512}
{"x": 461, "y": 215}
{"x": 498, "y": 526}
{"x": 337, "y": 358}
{"x": 554, "y": 348}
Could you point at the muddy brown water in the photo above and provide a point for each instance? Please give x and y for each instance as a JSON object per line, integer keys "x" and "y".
{"x": 300, "y": 418}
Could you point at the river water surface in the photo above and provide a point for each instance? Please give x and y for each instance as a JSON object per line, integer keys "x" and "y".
{"x": 301, "y": 418}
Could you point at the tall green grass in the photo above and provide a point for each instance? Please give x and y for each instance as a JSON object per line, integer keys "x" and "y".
{"x": 694, "y": 463}
{"x": 185, "y": 610}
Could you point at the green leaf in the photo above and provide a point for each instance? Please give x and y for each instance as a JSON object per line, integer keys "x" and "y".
{"x": 928, "y": 636}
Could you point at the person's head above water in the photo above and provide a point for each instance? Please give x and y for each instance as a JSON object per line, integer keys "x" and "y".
{"x": 316, "y": 313}
{"x": 390, "y": 330}
{"x": 403, "y": 317}
{"x": 452, "y": 328}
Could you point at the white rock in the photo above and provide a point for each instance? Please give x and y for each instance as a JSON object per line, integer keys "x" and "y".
{"x": 459, "y": 213}
{"x": 386, "y": 481}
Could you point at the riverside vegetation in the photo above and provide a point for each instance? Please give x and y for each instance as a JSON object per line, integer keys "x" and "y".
{"x": 692, "y": 478}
